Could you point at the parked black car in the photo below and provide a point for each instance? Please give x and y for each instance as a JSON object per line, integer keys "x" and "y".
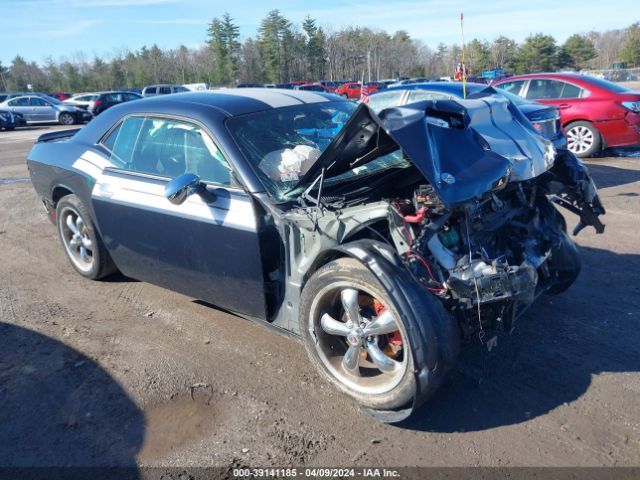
{"x": 106, "y": 100}
{"x": 382, "y": 240}
{"x": 10, "y": 120}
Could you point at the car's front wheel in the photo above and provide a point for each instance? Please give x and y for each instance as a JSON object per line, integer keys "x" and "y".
{"x": 583, "y": 139}
{"x": 355, "y": 336}
{"x": 66, "y": 119}
{"x": 81, "y": 242}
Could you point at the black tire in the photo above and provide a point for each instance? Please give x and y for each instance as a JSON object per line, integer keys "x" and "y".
{"x": 564, "y": 265}
{"x": 583, "y": 139}
{"x": 351, "y": 271}
{"x": 66, "y": 118}
{"x": 101, "y": 264}
{"x": 10, "y": 129}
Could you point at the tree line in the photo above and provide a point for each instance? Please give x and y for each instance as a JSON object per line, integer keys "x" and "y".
{"x": 282, "y": 51}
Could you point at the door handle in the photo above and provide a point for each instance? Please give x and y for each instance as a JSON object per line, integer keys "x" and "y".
{"x": 564, "y": 105}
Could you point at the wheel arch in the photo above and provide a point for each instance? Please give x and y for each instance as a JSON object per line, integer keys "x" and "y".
{"x": 603, "y": 140}
{"x": 574, "y": 120}
{"x": 434, "y": 344}
{"x": 59, "y": 191}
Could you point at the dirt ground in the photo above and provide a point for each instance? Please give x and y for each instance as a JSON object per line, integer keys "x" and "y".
{"x": 121, "y": 372}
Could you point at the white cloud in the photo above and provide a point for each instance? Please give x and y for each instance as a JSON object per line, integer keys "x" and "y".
{"x": 118, "y": 3}
{"x": 175, "y": 21}
{"x": 73, "y": 29}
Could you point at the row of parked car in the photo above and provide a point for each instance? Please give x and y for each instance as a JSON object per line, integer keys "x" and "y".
{"x": 18, "y": 109}
{"x": 588, "y": 113}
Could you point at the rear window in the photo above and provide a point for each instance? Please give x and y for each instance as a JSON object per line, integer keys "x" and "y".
{"x": 607, "y": 85}
{"x": 571, "y": 91}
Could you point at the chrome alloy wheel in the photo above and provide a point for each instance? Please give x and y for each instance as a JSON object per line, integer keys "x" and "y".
{"x": 580, "y": 139}
{"x": 66, "y": 119}
{"x": 76, "y": 240}
{"x": 363, "y": 350}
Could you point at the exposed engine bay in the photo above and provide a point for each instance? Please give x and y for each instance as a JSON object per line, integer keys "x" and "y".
{"x": 488, "y": 259}
{"x": 479, "y": 229}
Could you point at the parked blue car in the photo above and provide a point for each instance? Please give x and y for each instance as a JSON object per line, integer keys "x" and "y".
{"x": 544, "y": 118}
{"x": 10, "y": 120}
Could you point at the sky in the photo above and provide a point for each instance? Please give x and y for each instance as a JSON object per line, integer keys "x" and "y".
{"x": 37, "y": 29}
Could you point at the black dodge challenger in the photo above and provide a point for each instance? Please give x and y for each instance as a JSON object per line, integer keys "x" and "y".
{"x": 383, "y": 241}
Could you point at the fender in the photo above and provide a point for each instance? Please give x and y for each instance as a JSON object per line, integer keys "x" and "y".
{"x": 433, "y": 333}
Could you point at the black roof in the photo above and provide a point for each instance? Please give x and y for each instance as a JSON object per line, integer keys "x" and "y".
{"x": 232, "y": 102}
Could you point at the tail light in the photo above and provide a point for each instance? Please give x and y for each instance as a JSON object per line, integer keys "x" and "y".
{"x": 96, "y": 103}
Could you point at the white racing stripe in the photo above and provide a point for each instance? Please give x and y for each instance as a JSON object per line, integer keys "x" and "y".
{"x": 91, "y": 163}
{"x": 234, "y": 210}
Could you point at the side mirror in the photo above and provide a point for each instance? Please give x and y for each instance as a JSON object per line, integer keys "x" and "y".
{"x": 178, "y": 189}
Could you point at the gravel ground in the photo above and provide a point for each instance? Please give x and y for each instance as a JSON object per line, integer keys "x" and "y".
{"x": 121, "y": 372}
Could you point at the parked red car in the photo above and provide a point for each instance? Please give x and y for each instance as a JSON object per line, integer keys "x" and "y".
{"x": 352, "y": 90}
{"x": 60, "y": 95}
{"x": 595, "y": 113}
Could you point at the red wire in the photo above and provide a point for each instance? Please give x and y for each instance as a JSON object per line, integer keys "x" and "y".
{"x": 413, "y": 254}
{"x": 426, "y": 265}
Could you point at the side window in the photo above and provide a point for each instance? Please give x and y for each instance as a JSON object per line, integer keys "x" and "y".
{"x": 164, "y": 90}
{"x": 544, "y": 89}
{"x": 571, "y": 91}
{"x": 380, "y": 101}
{"x": 417, "y": 95}
{"x": 150, "y": 90}
{"x": 512, "y": 87}
{"x": 167, "y": 148}
{"x": 19, "y": 102}
{"x": 115, "y": 98}
{"x": 38, "y": 102}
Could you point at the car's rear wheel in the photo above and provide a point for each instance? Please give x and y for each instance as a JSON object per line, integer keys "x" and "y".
{"x": 583, "y": 139}
{"x": 66, "y": 119}
{"x": 355, "y": 336}
{"x": 81, "y": 242}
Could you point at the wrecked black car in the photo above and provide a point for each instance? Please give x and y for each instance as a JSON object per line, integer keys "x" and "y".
{"x": 383, "y": 241}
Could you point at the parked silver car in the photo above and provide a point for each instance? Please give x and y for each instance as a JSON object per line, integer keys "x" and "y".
{"x": 82, "y": 100}
{"x": 42, "y": 109}
{"x": 164, "y": 89}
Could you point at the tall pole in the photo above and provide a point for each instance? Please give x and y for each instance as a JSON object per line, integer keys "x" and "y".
{"x": 369, "y": 65}
{"x": 464, "y": 69}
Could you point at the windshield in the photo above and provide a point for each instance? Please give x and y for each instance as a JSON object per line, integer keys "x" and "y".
{"x": 281, "y": 144}
{"x": 49, "y": 99}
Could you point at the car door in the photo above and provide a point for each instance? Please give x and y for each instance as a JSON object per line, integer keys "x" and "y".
{"x": 22, "y": 105}
{"x": 42, "y": 111}
{"x": 205, "y": 248}
{"x": 567, "y": 97}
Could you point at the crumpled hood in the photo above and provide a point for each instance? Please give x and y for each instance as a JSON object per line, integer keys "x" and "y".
{"x": 464, "y": 148}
